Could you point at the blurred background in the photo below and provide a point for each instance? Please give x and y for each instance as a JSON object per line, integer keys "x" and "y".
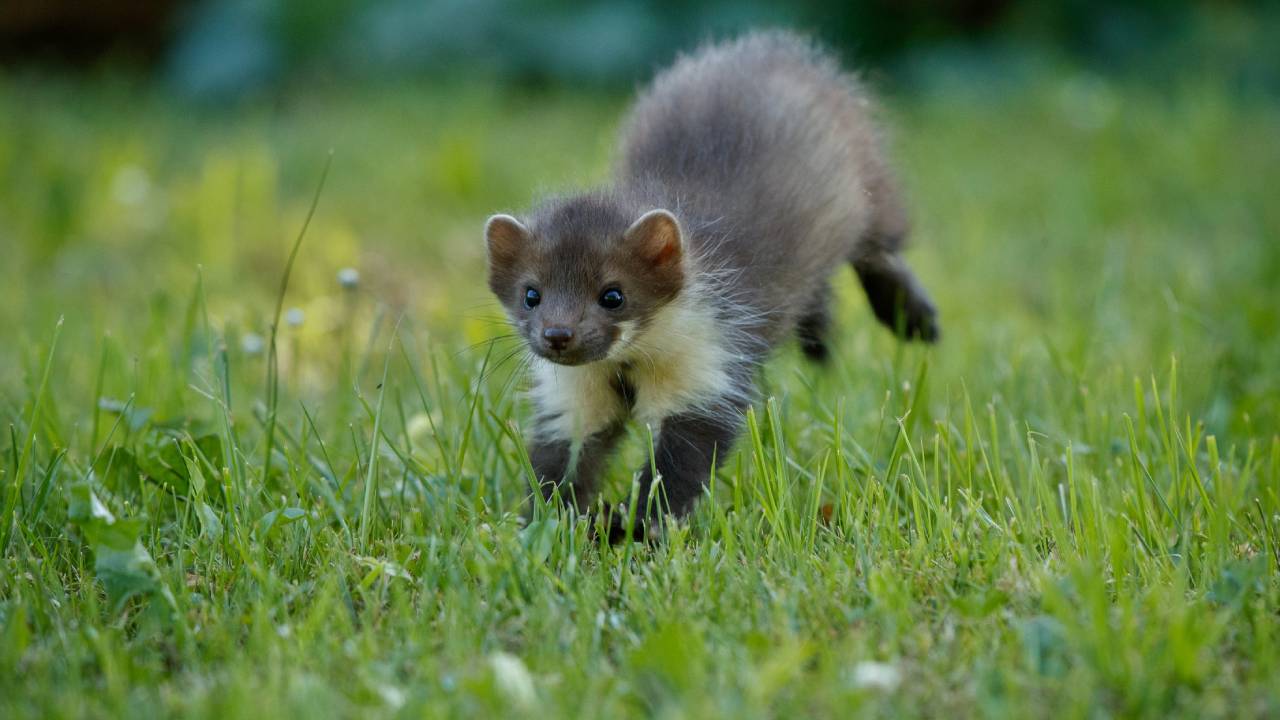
{"x": 1088, "y": 180}
{"x": 220, "y": 49}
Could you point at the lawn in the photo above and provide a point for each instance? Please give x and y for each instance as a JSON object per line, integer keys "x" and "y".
{"x": 1068, "y": 508}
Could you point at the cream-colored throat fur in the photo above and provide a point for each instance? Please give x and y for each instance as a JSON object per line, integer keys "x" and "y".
{"x": 679, "y": 362}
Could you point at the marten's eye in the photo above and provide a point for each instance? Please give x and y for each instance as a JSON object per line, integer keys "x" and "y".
{"x": 611, "y": 299}
{"x": 531, "y": 298}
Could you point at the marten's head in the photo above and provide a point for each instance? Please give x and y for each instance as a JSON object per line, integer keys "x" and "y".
{"x": 582, "y": 278}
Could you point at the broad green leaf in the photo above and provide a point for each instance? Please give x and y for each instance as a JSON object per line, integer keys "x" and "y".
{"x": 210, "y": 525}
{"x": 135, "y": 417}
{"x": 125, "y": 572}
{"x": 121, "y": 562}
{"x": 277, "y": 518}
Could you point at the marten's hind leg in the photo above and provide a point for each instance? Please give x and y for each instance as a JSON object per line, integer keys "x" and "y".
{"x": 813, "y": 327}
{"x": 897, "y": 298}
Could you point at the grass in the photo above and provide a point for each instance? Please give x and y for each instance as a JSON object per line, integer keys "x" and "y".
{"x": 1069, "y": 508}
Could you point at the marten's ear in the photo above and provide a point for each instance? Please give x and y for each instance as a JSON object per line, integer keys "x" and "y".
{"x": 655, "y": 237}
{"x": 506, "y": 239}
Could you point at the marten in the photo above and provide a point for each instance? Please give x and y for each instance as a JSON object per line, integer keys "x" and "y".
{"x": 749, "y": 171}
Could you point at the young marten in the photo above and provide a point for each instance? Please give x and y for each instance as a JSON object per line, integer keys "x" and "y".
{"x": 749, "y": 172}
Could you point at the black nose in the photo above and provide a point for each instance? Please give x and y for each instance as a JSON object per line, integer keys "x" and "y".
{"x": 558, "y": 337}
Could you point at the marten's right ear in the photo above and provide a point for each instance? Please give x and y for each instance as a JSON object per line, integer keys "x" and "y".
{"x": 656, "y": 238}
{"x": 506, "y": 239}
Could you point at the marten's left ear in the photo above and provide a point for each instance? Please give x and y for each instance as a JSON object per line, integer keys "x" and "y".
{"x": 506, "y": 239}
{"x": 655, "y": 238}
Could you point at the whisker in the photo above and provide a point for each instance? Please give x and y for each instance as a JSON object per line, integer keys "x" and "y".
{"x": 495, "y": 367}
{"x": 487, "y": 341}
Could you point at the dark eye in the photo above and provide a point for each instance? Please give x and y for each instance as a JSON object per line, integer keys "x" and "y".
{"x": 611, "y": 299}
{"x": 531, "y": 298}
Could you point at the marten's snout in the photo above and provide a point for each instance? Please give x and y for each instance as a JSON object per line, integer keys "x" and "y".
{"x": 557, "y": 338}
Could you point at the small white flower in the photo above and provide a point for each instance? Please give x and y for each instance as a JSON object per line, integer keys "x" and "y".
{"x": 294, "y": 317}
{"x": 252, "y": 343}
{"x": 349, "y": 278}
{"x": 876, "y": 676}
{"x": 393, "y": 696}
{"x": 420, "y": 427}
{"x": 513, "y": 679}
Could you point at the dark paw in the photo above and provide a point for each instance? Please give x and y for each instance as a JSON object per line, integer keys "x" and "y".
{"x": 811, "y": 331}
{"x": 897, "y": 298}
{"x": 613, "y": 527}
{"x": 815, "y": 350}
{"x": 910, "y": 318}
{"x": 921, "y": 321}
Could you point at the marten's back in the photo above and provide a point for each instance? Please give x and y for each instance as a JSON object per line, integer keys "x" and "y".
{"x": 771, "y": 151}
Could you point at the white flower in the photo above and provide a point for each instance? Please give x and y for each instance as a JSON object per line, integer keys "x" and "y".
{"x": 349, "y": 278}
{"x": 294, "y": 317}
{"x": 513, "y": 679}
{"x": 393, "y": 696}
{"x": 252, "y": 343}
{"x": 876, "y": 676}
{"x": 420, "y": 427}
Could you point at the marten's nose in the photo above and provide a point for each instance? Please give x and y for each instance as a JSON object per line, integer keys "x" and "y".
{"x": 558, "y": 338}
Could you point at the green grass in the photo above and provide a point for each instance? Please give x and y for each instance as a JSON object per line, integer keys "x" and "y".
{"x": 1069, "y": 508}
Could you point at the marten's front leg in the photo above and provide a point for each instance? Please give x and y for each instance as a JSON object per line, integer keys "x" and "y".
{"x": 576, "y": 475}
{"x": 688, "y": 444}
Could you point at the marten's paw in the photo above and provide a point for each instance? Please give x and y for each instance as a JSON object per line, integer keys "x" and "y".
{"x": 919, "y": 320}
{"x": 897, "y": 298}
{"x": 613, "y": 527}
{"x": 910, "y": 314}
{"x": 815, "y": 349}
{"x": 812, "y": 331}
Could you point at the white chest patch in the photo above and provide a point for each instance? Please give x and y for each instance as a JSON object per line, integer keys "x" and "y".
{"x": 680, "y": 362}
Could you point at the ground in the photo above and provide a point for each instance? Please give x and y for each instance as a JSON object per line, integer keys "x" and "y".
{"x": 1069, "y": 507}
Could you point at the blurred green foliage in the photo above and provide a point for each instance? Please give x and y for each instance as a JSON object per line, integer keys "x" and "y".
{"x": 226, "y": 47}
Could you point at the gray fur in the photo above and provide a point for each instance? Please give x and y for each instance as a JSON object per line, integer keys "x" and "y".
{"x": 770, "y": 155}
